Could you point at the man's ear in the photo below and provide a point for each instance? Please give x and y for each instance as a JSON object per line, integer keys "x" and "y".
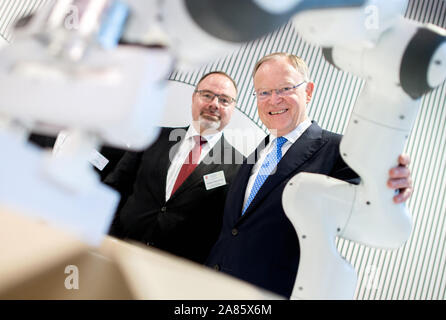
{"x": 309, "y": 91}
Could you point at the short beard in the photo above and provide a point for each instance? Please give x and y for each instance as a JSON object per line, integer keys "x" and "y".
{"x": 208, "y": 125}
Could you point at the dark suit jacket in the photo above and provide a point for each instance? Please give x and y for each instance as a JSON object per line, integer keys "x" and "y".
{"x": 261, "y": 246}
{"x": 187, "y": 224}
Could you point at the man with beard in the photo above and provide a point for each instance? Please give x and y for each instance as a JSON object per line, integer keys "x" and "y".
{"x": 173, "y": 192}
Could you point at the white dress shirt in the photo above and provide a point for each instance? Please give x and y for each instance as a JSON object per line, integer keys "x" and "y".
{"x": 291, "y": 138}
{"x": 183, "y": 151}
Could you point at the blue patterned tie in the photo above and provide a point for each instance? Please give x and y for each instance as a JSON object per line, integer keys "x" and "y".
{"x": 270, "y": 163}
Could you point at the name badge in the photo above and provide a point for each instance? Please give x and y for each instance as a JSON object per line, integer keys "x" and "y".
{"x": 98, "y": 160}
{"x": 214, "y": 180}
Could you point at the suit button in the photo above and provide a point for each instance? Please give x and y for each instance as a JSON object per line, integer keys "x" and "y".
{"x": 150, "y": 244}
{"x": 163, "y": 209}
{"x": 234, "y": 232}
{"x": 217, "y": 267}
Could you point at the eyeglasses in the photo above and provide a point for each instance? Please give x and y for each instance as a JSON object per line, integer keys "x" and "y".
{"x": 209, "y": 96}
{"x": 285, "y": 91}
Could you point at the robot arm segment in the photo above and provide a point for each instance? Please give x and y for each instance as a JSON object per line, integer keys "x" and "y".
{"x": 381, "y": 121}
{"x": 399, "y": 65}
{"x": 319, "y": 208}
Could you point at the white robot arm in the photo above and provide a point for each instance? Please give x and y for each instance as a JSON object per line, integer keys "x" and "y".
{"x": 66, "y": 71}
{"x": 400, "y": 61}
{"x": 76, "y": 77}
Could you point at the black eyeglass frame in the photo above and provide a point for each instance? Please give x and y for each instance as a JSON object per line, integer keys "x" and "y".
{"x": 231, "y": 100}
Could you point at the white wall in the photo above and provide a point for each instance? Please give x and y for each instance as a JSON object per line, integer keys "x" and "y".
{"x": 241, "y": 131}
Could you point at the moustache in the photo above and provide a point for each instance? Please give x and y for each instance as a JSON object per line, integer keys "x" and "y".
{"x": 208, "y": 114}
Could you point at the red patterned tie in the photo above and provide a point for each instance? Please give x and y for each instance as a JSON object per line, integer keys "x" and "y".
{"x": 190, "y": 163}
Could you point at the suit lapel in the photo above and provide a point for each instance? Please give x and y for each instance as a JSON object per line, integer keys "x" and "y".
{"x": 234, "y": 209}
{"x": 168, "y": 150}
{"x": 299, "y": 153}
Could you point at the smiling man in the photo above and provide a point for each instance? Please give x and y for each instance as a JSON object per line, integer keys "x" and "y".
{"x": 258, "y": 243}
{"x": 212, "y": 119}
{"x": 284, "y": 109}
{"x": 173, "y": 193}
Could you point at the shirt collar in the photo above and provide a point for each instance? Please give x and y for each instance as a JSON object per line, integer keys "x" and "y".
{"x": 296, "y": 133}
{"x": 210, "y": 138}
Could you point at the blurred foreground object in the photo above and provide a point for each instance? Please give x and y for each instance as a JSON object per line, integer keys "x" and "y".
{"x": 67, "y": 72}
{"x": 41, "y": 262}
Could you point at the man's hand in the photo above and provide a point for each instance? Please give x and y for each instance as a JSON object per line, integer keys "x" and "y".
{"x": 399, "y": 178}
